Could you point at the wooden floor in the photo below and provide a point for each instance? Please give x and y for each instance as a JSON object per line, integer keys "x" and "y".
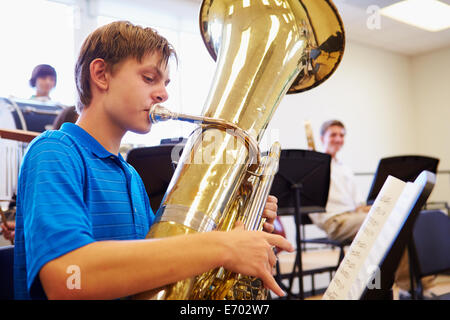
{"x": 311, "y": 259}
{"x": 326, "y": 257}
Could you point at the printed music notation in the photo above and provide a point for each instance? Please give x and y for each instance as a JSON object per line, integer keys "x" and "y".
{"x": 376, "y": 235}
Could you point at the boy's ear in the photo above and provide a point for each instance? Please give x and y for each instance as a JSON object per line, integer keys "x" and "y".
{"x": 99, "y": 74}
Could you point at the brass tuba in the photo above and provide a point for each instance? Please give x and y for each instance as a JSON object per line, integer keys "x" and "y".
{"x": 263, "y": 49}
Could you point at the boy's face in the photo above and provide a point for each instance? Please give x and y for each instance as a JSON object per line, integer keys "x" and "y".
{"x": 333, "y": 139}
{"x": 133, "y": 88}
{"x": 45, "y": 84}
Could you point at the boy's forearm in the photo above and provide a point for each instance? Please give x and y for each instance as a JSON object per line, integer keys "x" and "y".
{"x": 114, "y": 269}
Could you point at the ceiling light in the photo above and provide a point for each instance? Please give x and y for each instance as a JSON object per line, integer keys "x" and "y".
{"x": 431, "y": 15}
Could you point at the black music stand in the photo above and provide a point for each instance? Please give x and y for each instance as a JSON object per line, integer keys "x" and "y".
{"x": 406, "y": 168}
{"x": 156, "y": 167}
{"x": 301, "y": 186}
{"x": 392, "y": 256}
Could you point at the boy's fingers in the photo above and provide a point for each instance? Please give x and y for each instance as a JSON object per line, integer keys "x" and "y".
{"x": 272, "y": 259}
{"x": 271, "y": 198}
{"x": 280, "y": 242}
{"x": 269, "y": 227}
{"x": 269, "y": 214}
{"x": 271, "y": 284}
{"x": 272, "y": 206}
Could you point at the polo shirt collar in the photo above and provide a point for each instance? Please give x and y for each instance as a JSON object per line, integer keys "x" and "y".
{"x": 87, "y": 140}
{"x": 337, "y": 160}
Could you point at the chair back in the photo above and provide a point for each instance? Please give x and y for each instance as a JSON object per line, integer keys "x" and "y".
{"x": 6, "y": 272}
{"x": 431, "y": 236}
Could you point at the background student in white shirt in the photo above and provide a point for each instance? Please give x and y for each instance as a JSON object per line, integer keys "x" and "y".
{"x": 346, "y": 209}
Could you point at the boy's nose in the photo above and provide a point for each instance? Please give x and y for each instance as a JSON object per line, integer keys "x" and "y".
{"x": 161, "y": 95}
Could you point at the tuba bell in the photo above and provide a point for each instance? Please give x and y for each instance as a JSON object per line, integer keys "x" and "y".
{"x": 263, "y": 50}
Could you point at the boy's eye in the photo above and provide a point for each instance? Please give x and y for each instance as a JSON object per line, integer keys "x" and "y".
{"x": 148, "y": 79}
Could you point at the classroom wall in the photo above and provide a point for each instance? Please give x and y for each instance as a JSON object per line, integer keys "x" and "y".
{"x": 430, "y": 75}
{"x": 391, "y": 104}
{"x": 384, "y": 99}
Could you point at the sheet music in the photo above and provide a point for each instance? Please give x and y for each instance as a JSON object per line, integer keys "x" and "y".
{"x": 356, "y": 268}
{"x": 385, "y": 239}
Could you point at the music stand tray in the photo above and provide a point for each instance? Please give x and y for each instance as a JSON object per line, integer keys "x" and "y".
{"x": 309, "y": 172}
{"x": 406, "y": 168}
{"x": 155, "y": 166}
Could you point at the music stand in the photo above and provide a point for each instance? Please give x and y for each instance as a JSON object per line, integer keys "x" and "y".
{"x": 301, "y": 186}
{"x": 406, "y": 168}
{"x": 391, "y": 259}
{"x": 176, "y": 140}
{"x": 155, "y": 166}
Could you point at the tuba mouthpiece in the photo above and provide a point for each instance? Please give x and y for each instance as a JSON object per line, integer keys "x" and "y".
{"x": 158, "y": 113}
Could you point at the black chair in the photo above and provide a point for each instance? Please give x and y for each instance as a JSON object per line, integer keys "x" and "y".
{"x": 301, "y": 186}
{"x": 6, "y": 273}
{"x": 429, "y": 252}
{"x": 69, "y": 114}
{"x": 405, "y": 168}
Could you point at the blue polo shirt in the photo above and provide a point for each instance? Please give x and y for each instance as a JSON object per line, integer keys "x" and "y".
{"x": 72, "y": 192}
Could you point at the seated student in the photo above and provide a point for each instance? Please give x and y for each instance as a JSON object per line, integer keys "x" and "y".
{"x": 80, "y": 204}
{"x": 345, "y": 210}
{"x": 43, "y": 78}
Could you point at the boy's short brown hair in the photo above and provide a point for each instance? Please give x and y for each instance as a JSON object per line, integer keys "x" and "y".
{"x": 114, "y": 43}
{"x": 328, "y": 124}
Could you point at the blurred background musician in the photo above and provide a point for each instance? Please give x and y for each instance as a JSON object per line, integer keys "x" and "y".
{"x": 43, "y": 79}
{"x": 345, "y": 210}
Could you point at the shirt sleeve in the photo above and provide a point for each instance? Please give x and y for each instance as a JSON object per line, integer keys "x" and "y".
{"x": 56, "y": 219}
